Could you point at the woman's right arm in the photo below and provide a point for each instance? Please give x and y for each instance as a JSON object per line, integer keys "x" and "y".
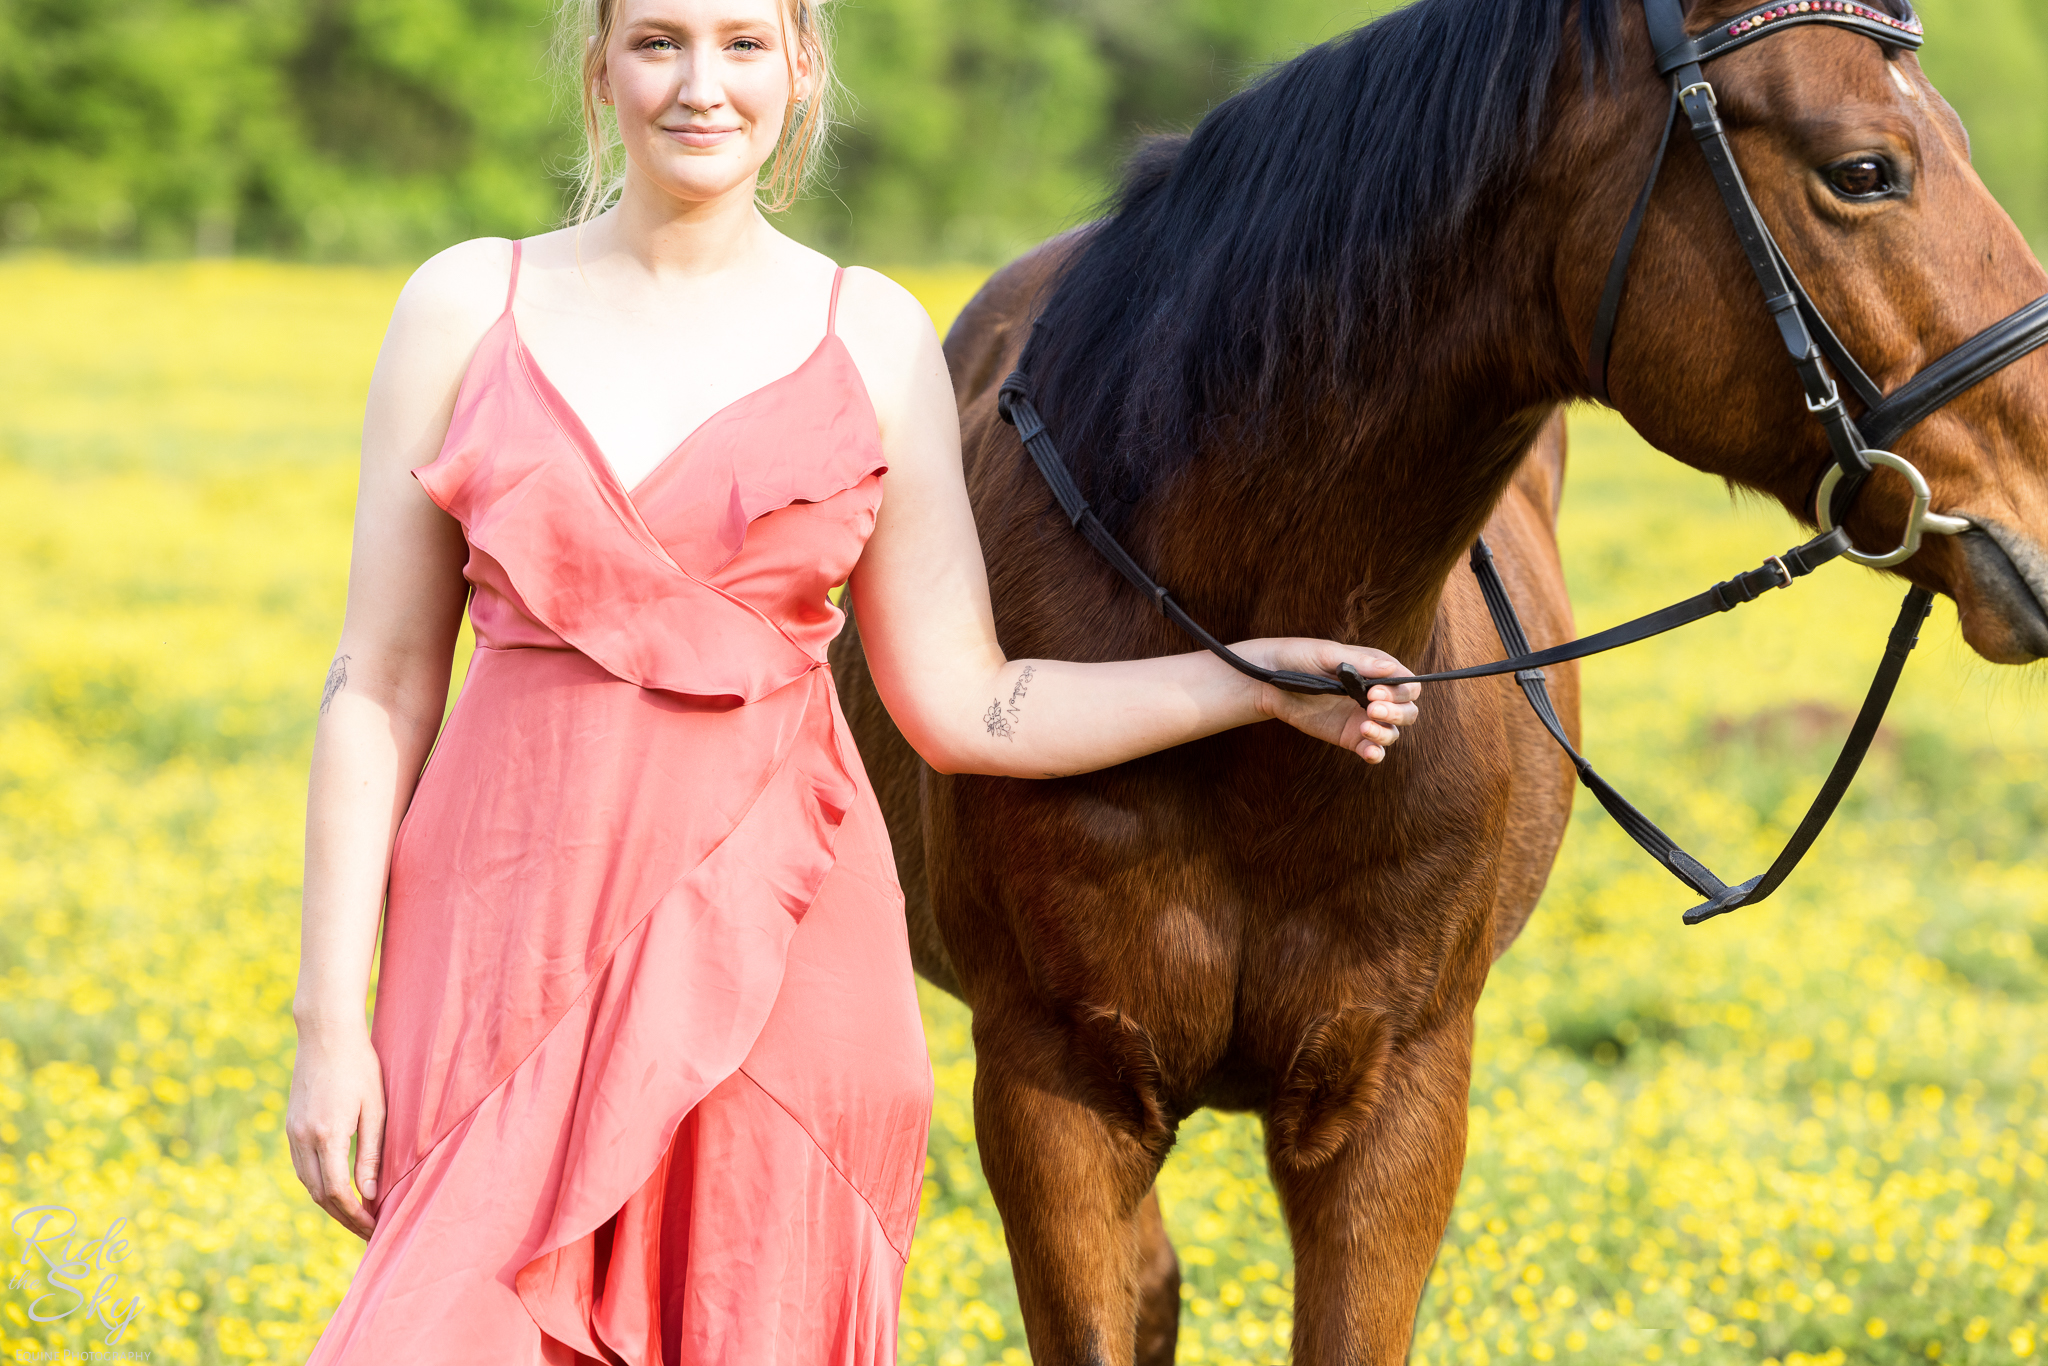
{"x": 380, "y": 710}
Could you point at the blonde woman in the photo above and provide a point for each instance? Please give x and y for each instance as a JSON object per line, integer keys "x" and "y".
{"x": 646, "y": 1081}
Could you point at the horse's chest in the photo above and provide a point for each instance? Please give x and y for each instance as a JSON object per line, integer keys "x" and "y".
{"x": 1207, "y": 911}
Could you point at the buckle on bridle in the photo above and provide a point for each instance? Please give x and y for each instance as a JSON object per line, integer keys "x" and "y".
{"x": 1777, "y": 562}
{"x": 1713, "y": 101}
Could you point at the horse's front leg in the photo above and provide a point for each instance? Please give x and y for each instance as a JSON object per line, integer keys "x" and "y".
{"x": 1070, "y": 1163}
{"x": 1367, "y": 1207}
{"x": 1158, "y": 1287}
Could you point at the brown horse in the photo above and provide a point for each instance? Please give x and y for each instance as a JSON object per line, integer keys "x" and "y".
{"x": 1317, "y": 347}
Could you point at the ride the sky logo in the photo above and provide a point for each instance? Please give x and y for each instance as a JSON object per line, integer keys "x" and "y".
{"x": 66, "y": 1274}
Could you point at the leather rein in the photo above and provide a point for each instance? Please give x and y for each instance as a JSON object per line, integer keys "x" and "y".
{"x": 1856, "y": 446}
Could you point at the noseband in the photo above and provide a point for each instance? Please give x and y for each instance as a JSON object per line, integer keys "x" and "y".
{"x": 1856, "y": 446}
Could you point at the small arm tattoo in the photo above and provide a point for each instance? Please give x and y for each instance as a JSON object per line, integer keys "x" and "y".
{"x": 1001, "y": 719}
{"x": 337, "y": 679}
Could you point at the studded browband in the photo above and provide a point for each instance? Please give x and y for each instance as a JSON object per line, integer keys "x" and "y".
{"x": 1715, "y": 42}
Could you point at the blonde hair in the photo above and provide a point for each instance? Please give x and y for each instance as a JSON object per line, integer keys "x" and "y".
{"x": 585, "y": 33}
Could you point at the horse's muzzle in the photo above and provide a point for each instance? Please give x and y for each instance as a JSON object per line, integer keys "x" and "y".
{"x": 2009, "y": 576}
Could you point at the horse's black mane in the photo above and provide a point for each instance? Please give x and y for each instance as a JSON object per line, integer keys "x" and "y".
{"x": 1283, "y": 235}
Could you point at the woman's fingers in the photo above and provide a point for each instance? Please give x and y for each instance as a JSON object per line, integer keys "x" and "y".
{"x": 368, "y": 1163}
{"x": 1389, "y": 707}
{"x": 1374, "y": 730}
{"x": 1368, "y": 732}
{"x": 1380, "y": 735}
{"x": 320, "y": 1159}
{"x": 1392, "y": 713}
{"x": 336, "y": 1195}
{"x": 1401, "y": 696}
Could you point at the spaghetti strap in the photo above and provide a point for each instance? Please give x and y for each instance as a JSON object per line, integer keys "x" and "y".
{"x": 512, "y": 285}
{"x": 831, "y": 312}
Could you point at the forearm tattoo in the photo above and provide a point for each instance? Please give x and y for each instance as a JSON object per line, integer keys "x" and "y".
{"x": 1001, "y": 718}
{"x": 337, "y": 679}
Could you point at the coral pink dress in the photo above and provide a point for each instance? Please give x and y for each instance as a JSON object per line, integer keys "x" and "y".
{"x": 657, "y": 1086}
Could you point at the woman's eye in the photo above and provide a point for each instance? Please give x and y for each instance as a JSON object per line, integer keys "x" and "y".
{"x": 1860, "y": 178}
{"x": 660, "y": 45}
{"x": 748, "y": 45}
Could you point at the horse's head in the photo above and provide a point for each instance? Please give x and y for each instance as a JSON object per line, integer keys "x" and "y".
{"x": 1862, "y": 172}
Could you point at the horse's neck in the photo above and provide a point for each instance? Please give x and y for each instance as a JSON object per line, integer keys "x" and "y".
{"x": 1351, "y": 531}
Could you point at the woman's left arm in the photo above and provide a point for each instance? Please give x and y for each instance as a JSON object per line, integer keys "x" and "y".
{"x": 921, "y": 593}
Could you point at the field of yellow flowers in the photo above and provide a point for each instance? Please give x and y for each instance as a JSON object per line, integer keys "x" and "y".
{"x": 1809, "y": 1132}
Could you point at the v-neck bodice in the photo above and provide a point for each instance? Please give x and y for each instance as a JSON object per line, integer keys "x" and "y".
{"x": 573, "y": 424}
{"x": 710, "y": 576}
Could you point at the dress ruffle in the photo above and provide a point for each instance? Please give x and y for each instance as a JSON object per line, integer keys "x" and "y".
{"x": 534, "y": 825}
{"x": 603, "y": 1168}
{"x": 638, "y": 604}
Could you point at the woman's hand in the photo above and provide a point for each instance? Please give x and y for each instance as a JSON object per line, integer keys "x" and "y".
{"x": 337, "y": 1094}
{"x": 1337, "y": 719}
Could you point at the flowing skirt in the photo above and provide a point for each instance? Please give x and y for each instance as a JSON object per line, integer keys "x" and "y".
{"x": 626, "y": 1193}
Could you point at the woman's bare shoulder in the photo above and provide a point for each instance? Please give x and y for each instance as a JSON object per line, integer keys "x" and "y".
{"x": 457, "y": 293}
{"x": 457, "y": 283}
{"x": 891, "y": 338}
{"x": 444, "y": 311}
{"x": 873, "y": 302}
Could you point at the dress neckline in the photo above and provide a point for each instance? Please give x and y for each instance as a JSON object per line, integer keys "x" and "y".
{"x": 579, "y": 432}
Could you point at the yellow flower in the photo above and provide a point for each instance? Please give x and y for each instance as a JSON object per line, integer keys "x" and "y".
{"x": 1772, "y": 1137}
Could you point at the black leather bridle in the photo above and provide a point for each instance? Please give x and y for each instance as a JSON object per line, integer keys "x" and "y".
{"x": 1856, "y": 446}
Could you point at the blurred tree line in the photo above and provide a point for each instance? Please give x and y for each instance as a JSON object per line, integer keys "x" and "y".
{"x": 384, "y": 129}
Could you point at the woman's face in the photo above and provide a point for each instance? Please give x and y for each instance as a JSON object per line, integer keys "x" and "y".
{"x": 701, "y": 88}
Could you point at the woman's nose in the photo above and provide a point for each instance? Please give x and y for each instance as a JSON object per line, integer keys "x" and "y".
{"x": 700, "y": 89}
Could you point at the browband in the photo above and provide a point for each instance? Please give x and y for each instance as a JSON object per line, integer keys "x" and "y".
{"x": 1765, "y": 19}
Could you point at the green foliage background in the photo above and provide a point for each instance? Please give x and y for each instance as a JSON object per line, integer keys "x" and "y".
{"x": 381, "y": 130}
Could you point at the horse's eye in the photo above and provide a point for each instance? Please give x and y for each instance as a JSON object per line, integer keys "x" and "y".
{"x": 1860, "y": 178}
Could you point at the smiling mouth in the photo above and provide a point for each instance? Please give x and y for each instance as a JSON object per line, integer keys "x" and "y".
{"x": 700, "y": 137}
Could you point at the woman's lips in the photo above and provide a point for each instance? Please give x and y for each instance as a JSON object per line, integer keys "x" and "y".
{"x": 700, "y": 137}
